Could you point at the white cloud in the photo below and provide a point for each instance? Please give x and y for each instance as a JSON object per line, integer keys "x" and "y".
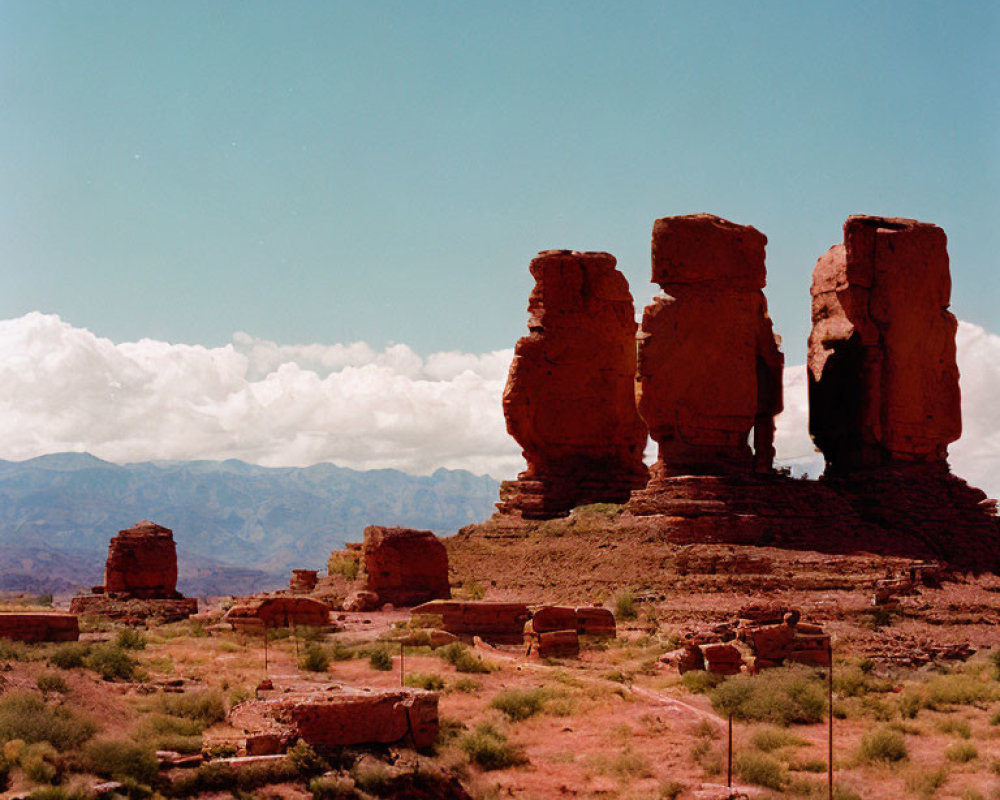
{"x": 64, "y": 389}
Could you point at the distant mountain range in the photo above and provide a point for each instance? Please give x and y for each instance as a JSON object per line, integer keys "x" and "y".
{"x": 238, "y": 527}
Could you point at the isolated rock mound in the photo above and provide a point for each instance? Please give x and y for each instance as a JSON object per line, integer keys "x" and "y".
{"x": 569, "y": 400}
{"x": 405, "y": 567}
{"x": 140, "y": 578}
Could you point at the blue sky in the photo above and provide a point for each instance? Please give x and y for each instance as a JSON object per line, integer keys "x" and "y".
{"x": 384, "y": 171}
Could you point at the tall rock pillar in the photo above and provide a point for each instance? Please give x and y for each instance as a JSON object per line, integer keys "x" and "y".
{"x": 709, "y": 369}
{"x": 569, "y": 400}
{"x": 883, "y": 382}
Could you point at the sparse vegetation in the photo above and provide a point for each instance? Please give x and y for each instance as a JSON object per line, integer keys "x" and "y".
{"x": 780, "y": 696}
{"x": 112, "y": 662}
{"x": 769, "y": 738}
{"x": 70, "y": 655}
{"x": 961, "y": 752}
{"x": 52, "y": 682}
{"x": 462, "y": 658}
{"x": 121, "y": 759}
{"x": 420, "y": 680}
{"x": 203, "y": 707}
{"x": 488, "y": 748}
{"x": 760, "y": 769}
{"x": 130, "y": 639}
{"x": 625, "y": 605}
{"x": 314, "y": 658}
{"x": 380, "y": 659}
{"x": 28, "y": 718}
{"x": 701, "y": 681}
{"x": 519, "y": 704}
{"x": 882, "y": 744}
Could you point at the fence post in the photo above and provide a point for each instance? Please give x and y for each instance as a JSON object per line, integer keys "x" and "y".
{"x": 729, "y": 775}
{"x": 829, "y": 753}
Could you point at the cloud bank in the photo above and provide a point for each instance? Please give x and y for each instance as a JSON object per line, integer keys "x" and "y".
{"x": 64, "y": 389}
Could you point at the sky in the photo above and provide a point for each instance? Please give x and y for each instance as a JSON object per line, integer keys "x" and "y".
{"x": 191, "y": 184}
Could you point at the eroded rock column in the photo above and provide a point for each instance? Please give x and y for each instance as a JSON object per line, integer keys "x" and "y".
{"x": 883, "y": 382}
{"x": 709, "y": 369}
{"x": 569, "y": 400}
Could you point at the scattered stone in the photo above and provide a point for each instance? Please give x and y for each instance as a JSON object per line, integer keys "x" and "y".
{"x": 569, "y": 397}
{"x": 303, "y": 581}
{"x": 361, "y": 600}
{"x": 405, "y": 567}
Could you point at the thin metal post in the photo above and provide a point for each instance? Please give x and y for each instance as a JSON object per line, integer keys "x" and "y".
{"x": 401, "y": 667}
{"x": 729, "y": 774}
{"x": 829, "y": 753}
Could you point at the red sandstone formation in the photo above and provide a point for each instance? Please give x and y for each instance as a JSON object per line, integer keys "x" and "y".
{"x": 140, "y": 578}
{"x": 883, "y": 382}
{"x": 280, "y": 611}
{"x": 709, "y": 367}
{"x": 496, "y": 623}
{"x": 569, "y": 400}
{"x": 39, "y": 627}
{"x": 142, "y": 562}
{"x": 405, "y": 567}
{"x": 552, "y": 633}
{"x": 303, "y": 581}
{"x": 722, "y": 659}
{"x": 595, "y": 621}
{"x": 330, "y": 720}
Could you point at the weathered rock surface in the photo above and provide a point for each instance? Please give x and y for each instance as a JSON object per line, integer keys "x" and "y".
{"x": 282, "y": 611}
{"x": 569, "y": 400}
{"x": 709, "y": 367}
{"x": 140, "y": 579}
{"x": 596, "y": 621}
{"x": 405, "y": 567}
{"x": 142, "y": 562}
{"x": 496, "y": 623}
{"x": 39, "y": 627}
{"x": 303, "y": 581}
{"x": 883, "y": 382}
{"x": 333, "y": 719}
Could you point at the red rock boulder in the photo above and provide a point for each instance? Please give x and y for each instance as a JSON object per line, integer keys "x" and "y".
{"x": 39, "y": 627}
{"x": 280, "y": 611}
{"x": 496, "y": 623}
{"x": 883, "y": 381}
{"x": 405, "y": 567}
{"x": 596, "y": 621}
{"x": 303, "y": 581}
{"x": 569, "y": 400}
{"x": 709, "y": 367}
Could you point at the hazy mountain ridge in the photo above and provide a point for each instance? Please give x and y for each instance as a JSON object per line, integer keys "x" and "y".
{"x": 235, "y": 523}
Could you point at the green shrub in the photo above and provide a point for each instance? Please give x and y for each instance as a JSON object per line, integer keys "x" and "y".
{"x": 858, "y": 682}
{"x": 882, "y": 745}
{"x": 519, "y": 704}
{"x": 957, "y": 690}
{"x": 16, "y": 651}
{"x": 959, "y": 727}
{"x": 625, "y": 605}
{"x": 961, "y": 752}
{"x": 420, "y": 680}
{"x": 466, "y": 685}
{"x": 52, "y": 682}
{"x": 380, "y": 659}
{"x": 488, "y": 748}
{"x": 625, "y": 765}
{"x": 70, "y": 655}
{"x": 204, "y": 706}
{"x": 121, "y": 759}
{"x": 760, "y": 769}
{"x": 700, "y": 681}
{"x": 926, "y": 782}
{"x": 27, "y": 717}
{"x": 305, "y": 760}
{"x": 462, "y": 658}
{"x": 111, "y": 662}
{"x": 130, "y": 639}
{"x": 333, "y": 788}
{"x": 372, "y": 777}
{"x": 40, "y": 762}
{"x": 474, "y": 591}
{"x": 781, "y": 696}
{"x": 671, "y": 790}
{"x": 341, "y": 563}
{"x": 315, "y": 658}
{"x": 995, "y": 661}
{"x": 769, "y": 738}
{"x": 909, "y": 704}
{"x": 995, "y": 719}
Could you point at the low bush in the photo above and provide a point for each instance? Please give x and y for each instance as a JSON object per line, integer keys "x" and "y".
{"x": 925, "y": 782}
{"x": 957, "y": 690}
{"x": 27, "y": 717}
{"x": 519, "y": 704}
{"x": 420, "y": 680}
{"x": 205, "y": 706}
{"x": 17, "y": 651}
{"x": 959, "y": 727}
{"x": 760, "y": 769}
{"x": 315, "y": 658}
{"x": 781, "y": 696}
{"x": 380, "y": 659}
{"x": 112, "y": 662}
{"x": 857, "y": 682}
{"x": 52, "y": 682}
{"x": 330, "y": 787}
{"x": 462, "y": 658}
{"x": 121, "y": 759}
{"x": 372, "y": 777}
{"x": 131, "y": 639}
{"x": 882, "y": 745}
{"x": 466, "y": 685}
{"x": 769, "y": 738}
{"x": 700, "y": 681}
{"x": 40, "y": 762}
{"x": 488, "y": 748}
{"x": 625, "y": 605}
{"x": 961, "y": 752}
{"x": 70, "y": 655}
{"x": 909, "y": 704}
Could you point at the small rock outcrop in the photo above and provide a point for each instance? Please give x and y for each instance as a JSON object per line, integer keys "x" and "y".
{"x": 569, "y": 400}
{"x": 254, "y": 615}
{"x": 303, "y": 581}
{"x": 405, "y": 567}
{"x": 39, "y": 626}
{"x": 140, "y": 578}
{"x": 709, "y": 367}
{"x": 883, "y": 381}
{"x": 497, "y": 623}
